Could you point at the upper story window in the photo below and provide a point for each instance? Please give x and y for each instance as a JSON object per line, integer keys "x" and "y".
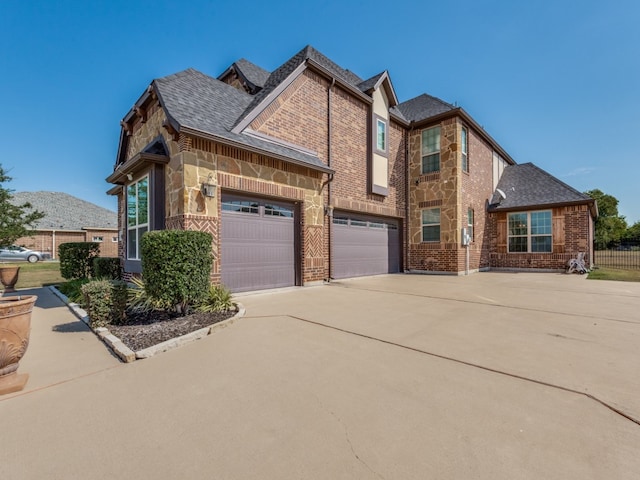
{"x": 98, "y": 239}
{"x": 137, "y": 215}
{"x": 381, "y": 135}
{"x": 431, "y": 150}
{"x": 431, "y": 225}
{"x": 465, "y": 149}
{"x": 529, "y": 232}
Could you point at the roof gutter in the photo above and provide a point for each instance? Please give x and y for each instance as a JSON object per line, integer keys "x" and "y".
{"x": 593, "y": 208}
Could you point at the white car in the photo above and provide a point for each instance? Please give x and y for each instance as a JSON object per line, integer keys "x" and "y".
{"x": 19, "y": 254}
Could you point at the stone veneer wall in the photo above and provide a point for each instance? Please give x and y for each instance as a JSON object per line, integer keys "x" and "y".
{"x": 438, "y": 189}
{"x": 570, "y": 236}
{"x": 236, "y": 170}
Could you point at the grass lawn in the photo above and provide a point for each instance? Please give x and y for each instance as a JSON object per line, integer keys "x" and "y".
{"x": 615, "y": 274}
{"x": 39, "y": 274}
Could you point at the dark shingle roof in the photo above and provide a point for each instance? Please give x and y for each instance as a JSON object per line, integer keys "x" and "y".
{"x": 66, "y": 212}
{"x": 526, "y": 186}
{"x": 369, "y": 83}
{"x": 423, "y": 107}
{"x": 197, "y": 101}
{"x": 255, "y": 74}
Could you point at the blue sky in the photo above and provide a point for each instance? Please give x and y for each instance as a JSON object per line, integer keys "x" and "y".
{"x": 556, "y": 83}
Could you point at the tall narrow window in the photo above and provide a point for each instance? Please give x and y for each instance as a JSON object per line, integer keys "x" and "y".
{"x": 137, "y": 215}
{"x": 530, "y": 232}
{"x": 431, "y": 150}
{"x": 431, "y": 225}
{"x": 470, "y": 223}
{"x": 465, "y": 150}
{"x": 381, "y": 135}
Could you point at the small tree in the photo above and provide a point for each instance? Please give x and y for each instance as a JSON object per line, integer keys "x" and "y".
{"x": 15, "y": 220}
{"x": 610, "y": 225}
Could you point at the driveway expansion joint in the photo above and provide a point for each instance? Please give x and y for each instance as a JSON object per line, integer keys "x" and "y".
{"x": 473, "y": 365}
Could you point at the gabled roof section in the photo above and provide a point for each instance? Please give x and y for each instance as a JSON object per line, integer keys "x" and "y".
{"x": 282, "y": 76}
{"x": 201, "y": 105}
{"x": 375, "y": 82}
{"x": 423, "y": 107}
{"x": 66, "y": 212}
{"x": 527, "y": 186}
{"x": 256, "y": 75}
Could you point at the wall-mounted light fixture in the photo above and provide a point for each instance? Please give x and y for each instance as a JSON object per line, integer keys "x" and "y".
{"x": 129, "y": 177}
{"x": 209, "y": 187}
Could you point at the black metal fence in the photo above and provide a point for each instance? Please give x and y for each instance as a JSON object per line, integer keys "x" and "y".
{"x": 624, "y": 255}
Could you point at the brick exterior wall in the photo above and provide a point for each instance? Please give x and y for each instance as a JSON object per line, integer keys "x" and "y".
{"x": 571, "y": 235}
{"x": 336, "y": 124}
{"x": 477, "y": 188}
{"x": 48, "y": 241}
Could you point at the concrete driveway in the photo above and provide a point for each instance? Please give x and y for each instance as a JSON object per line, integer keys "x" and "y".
{"x": 495, "y": 375}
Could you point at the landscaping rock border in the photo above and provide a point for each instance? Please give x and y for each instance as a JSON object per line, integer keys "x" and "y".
{"x": 125, "y": 353}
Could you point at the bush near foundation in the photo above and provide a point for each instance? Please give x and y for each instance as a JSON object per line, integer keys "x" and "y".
{"x": 107, "y": 267}
{"x": 176, "y": 267}
{"x": 76, "y": 259}
{"x": 105, "y": 301}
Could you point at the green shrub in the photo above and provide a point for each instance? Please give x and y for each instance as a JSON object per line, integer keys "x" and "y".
{"x": 73, "y": 289}
{"x": 105, "y": 301}
{"x": 76, "y": 259}
{"x": 176, "y": 265}
{"x": 138, "y": 300}
{"x": 218, "y": 299}
{"x": 107, "y": 267}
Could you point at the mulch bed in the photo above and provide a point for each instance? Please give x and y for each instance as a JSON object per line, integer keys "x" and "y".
{"x": 146, "y": 329}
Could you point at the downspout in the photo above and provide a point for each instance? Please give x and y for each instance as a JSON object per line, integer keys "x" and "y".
{"x": 53, "y": 245}
{"x": 329, "y": 210}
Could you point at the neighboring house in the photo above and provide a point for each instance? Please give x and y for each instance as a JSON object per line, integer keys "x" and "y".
{"x": 69, "y": 219}
{"x": 310, "y": 173}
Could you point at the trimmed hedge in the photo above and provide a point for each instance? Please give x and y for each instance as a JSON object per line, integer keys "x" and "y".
{"x": 107, "y": 267}
{"x": 176, "y": 266}
{"x": 76, "y": 259}
{"x": 105, "y": 301}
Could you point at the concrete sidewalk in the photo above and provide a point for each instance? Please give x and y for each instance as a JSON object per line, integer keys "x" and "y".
{"x": 61, "y": 347}
{"x": 372, "y": 378}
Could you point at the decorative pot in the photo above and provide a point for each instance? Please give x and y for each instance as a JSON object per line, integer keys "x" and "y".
{"x": 9, "y": 277}
{"x": 15, "y": 325}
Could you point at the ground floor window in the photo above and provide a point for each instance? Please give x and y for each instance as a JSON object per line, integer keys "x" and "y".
{"x": 431, "y": 225}
{"x": 137, "y": 215}
{"x": 529, "y": 232}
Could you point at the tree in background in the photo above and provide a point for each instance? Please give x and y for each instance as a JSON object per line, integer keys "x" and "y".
{"x": 15, "y": 220}
{"x": 633, "y": 232}
{"x": 611, "y": 227}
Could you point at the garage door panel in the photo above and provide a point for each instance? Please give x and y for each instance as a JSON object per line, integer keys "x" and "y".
{"x": 257, "y": 249}
{"x": 364, "y": 246}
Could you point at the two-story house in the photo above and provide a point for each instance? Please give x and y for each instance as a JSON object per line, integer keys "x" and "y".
{"x": 311, "y": 173}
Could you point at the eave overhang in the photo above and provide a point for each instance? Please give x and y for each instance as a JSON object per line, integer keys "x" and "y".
{"x": 593, "y": 207}
{"x": 134, "y": 165}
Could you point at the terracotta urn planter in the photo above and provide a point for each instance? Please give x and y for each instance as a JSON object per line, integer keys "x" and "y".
{"x": 9, "y": 277}
{"x": 15, "y": 325}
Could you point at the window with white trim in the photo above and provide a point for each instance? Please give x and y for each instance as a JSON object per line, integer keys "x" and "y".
{"x": 529, "y": 232}
{"x": 470, "y": 223}
{"x": 137, "y": 215}
{"x": 431, "y": 150}
{"x": 464, "y": 146}
{"x": 98, "y": 239}
{"x": 114, "y": 239}
{"x": 431, "y": 225}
